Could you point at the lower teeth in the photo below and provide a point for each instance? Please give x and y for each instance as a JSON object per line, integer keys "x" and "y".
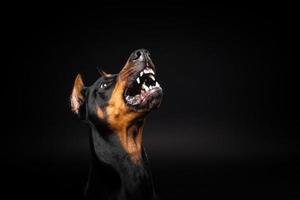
{"x": 134, "y": 100}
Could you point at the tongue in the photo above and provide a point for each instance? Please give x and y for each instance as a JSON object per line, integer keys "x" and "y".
{"x": 143, "y": 95}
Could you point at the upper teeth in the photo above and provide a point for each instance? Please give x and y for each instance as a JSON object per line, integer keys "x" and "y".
{"x": 152, "y": 77}
{"x": 148, "y": 71}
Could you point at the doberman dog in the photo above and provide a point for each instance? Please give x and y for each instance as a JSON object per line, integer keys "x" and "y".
{"x": 115, "y": 107}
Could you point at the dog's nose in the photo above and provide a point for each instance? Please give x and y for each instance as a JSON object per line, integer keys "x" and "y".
{"x": 140, "y": 54}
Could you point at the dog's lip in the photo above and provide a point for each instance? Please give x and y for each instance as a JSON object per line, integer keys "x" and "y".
{"x": 151, "y": 92}
{"x": 148, "y": 102}
{"x": 139, "y": 73}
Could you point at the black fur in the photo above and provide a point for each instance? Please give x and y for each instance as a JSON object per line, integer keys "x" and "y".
{"x": 113, "y": 175}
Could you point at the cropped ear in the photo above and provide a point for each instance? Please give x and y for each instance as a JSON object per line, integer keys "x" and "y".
{"x": 103, "y": 73}
{"x": 77, "y": 96}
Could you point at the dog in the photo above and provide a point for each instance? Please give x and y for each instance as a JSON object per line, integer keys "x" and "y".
{"x": 115, "y": 107}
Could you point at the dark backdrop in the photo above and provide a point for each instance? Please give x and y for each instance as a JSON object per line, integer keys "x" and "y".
{"x": 228, "y": 125}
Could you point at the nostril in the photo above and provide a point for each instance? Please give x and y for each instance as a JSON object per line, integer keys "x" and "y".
{"x": 137, "y": 55}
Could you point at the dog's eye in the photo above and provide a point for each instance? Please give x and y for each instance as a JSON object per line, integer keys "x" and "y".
{"x": 103, "y": 85}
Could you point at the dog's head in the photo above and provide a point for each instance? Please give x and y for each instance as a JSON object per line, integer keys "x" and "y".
{"x": 117, "y": 100}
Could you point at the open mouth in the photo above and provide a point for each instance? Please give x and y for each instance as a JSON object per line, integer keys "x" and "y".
{"x": 143, "y": 91}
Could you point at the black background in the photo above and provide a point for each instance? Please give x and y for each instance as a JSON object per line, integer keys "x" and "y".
{"x": 228, "y": 125}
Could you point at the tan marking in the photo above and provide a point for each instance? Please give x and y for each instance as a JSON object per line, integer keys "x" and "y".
{"x": 119, "y": 117}
{"x": 134, "y": 142}
{"x": 100, "y": 113}
{"x": 76, "y": 96}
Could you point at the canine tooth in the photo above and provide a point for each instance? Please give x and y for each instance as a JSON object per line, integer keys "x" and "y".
{"x": 138, "y": 80}
{"x": 150, "y": 87}
{"x": 157, "y": 84}
{"x": 152, "y": 77}
{"x": 141, "y": 74}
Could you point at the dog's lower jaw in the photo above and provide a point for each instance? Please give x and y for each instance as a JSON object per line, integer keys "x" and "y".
{"x": 113, "y": 173}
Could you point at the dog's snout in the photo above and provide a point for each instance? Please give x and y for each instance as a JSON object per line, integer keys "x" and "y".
{"x": 140, "y": 54}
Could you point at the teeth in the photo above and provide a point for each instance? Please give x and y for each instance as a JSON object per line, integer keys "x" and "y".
{"x": 138, "y": 80}
{"x": 148, "y": 71}
{"x": 152, "y": 77}
{"x": 145, "y": 87}
{"x": 141, "y": 74}
{"x": 132, "y": 100}
{"x": 157, "y": 84}
{"x": 150, "y": 87}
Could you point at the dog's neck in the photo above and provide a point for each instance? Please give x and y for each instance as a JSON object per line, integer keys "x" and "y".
{"x": 116, "y": 173}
